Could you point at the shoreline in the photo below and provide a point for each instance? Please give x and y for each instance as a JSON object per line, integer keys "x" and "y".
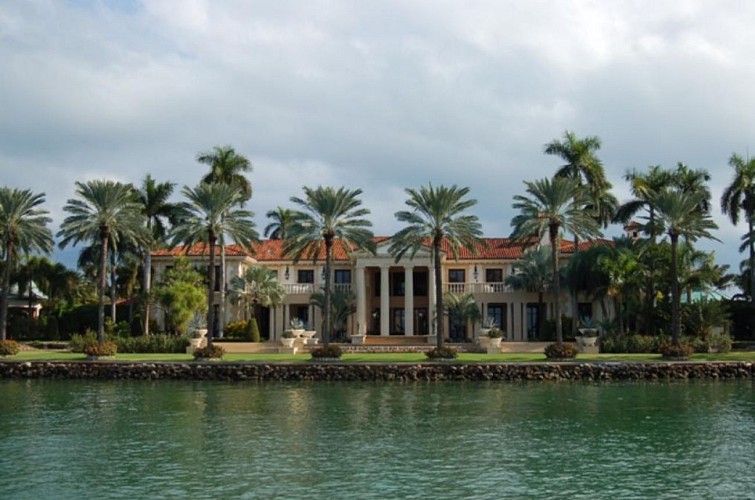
{"x": 378, "y": 372}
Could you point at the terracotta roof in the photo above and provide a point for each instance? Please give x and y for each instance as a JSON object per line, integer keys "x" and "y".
{"x": 272, "y": 250}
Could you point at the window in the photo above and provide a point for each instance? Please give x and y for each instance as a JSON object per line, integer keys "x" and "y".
{"x": 494, "y": 275}
{"x": 498, "y": 313}
{"x": 533, "y": 321}
{"x": 420, "y": 283}
{"x": 377, "y": 283}
{"x": 397, "y": 284}
{"x": 342, "y": 276}
{"x": 397, "y": 327}
{"x": 217, "y": 278}
{"x": 584, "y": 310}
{"x": 456, "y": 276}
{"x": 305, "y": 276}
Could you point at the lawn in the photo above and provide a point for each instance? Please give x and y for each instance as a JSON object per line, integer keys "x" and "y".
{"x": 44, "y": 355}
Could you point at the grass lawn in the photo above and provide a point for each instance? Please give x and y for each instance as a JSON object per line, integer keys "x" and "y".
{"x": 43, "y": 355}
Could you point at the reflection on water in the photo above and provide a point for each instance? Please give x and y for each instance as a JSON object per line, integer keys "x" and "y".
{"x": 72, "y": 439}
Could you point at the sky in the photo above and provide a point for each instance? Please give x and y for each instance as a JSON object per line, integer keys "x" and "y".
{"x": 378, "y": 96}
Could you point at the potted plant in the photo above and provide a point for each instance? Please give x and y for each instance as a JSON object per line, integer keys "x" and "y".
{"x": 496, "y": 336}
{"x": 288, "y": 338}
{"x": 589, "y": 331}
{"x": 297, "y": 327}
{"x": 488, "y": 324}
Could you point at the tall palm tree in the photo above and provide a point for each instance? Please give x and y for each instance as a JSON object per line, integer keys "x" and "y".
{"x": 739, "y": 198}
{"x": 23, "y": 226}
{"x": 462, "y": 309}
{"x": 281, "y": 220}
{"x": 226, "y": 167}
{"x": 550, "y": 208}
{"x": 326, "y": 216}
{"x": 104, "y": 212}
{"x": 258, "y": 286}
{"x": 209, "y": 212}
{"x": 343, "y": 303}
{"x": 679, "y": 214}
{"x": 621, "y": 267}
{"x": 643, "y": 187}
{"x": 436, "y": 217}
{"x": 158, "y": 211}
{"x": 532, "y": 273}
{"x": 584, "y": 166}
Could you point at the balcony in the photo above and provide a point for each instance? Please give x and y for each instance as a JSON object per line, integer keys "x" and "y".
{"x": 476, "y": 288}
{"x": 299, "y": 288}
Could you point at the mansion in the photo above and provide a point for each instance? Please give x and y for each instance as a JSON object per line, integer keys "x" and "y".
{"x": 392, "y": 298}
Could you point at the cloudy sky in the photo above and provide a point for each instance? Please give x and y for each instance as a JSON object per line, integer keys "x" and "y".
{"x": 372, "y": 95}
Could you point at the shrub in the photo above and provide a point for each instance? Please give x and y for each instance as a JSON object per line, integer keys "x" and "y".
{"x": 442, "y": 353}
{"x": 235, "y": 329}
{"x": 211, "y": 352}
{"x": 9, "y": 348}
{"x": 153, "y": 344}
{"x": 636, "y": 343}
{"x": 327, "y": 351}
{"x": 676, "y": 351}
{"x": 495, "y": 333}
{"x": 79, "y": 341}
{"x": 107, "y": 348}
{"x": 720, "y": 342}
{"x": 252, "y": 331}
{"x": 560, "y": 351}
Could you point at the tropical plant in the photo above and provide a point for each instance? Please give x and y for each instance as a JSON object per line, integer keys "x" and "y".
{"x": 560, "y": 351}
{"x": 550, "y": 209}
{"x": 209, "y": 352}
{"x": 533, "y": 273}
{"x": 158, "y": 211}
{"x": 182, "y": 296}
{"x": 106, "y": 213}
{"x": 342, "y": 306}
{"x": 442, "y": 352}
{"x": 620, "y": 266}
{"x": 436, "y": 218}
{"x": 209, "y": 212}
{"x": 258, "y": 286}
{"x": 739, "y": 198}
{"x": 679, "y": 214}
{"x": 330, "y": 351}
{"x": 328, "y": 215}
{"x": 461, "y": 309}
{"x": 281, "y": 218}
{"x": 23, "y": 227}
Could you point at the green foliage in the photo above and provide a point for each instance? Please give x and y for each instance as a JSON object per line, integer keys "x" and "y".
{"x": 252, "y": 331}
{"x": 495, "y": 333}
{"x": 9, "y": 348}
{"x": 699, "y": 318}
{"x": 327, "y": 351}
{"x": 209, "y": 352}
{"x": 107, "y": 348}
{"x": 676, "y": 351}
{"x": 288, "y": 334}
{"x": 120, "y": 329}
{"x": 152, "y": 344}
{"x": 80, "y": 341}
{"x": 182, "y": 295}
{"x": 235, "y": 329}
{"x": 631, "y": 343}
{"x": 548, "y": 331}
{"x": 442, "y": 353}
{"x": 560, "y": 351}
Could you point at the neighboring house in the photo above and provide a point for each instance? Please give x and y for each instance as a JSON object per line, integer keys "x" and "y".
{"x": 25, "y": 304}
{"x": 385, "y": 290}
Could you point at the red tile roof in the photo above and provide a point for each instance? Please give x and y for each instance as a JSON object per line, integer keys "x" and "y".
{"x": 272, "y": 250}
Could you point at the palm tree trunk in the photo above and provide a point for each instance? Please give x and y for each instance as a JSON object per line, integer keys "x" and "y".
{"x": 211, "y": 291}
{"x": 574, "y": 298}
{"x": 6, "y": 291}
{"x": 439, "y": 323}
{"x": 147, "y": 288}
{"x": 326, "y": 316}
{"x": 675, "y": 302}
{"x": 619, "y": 314}
{"x": 553, "y": 230}
{"x": 101, "y": 292}
{"x": 221, "y": 310}
{"x": 752, "y": 264}
{"x": 113, "y": 296}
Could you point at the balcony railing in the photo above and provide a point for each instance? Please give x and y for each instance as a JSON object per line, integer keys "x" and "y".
{"x": 309, "y": 288}
{"x": 463, "y": 288}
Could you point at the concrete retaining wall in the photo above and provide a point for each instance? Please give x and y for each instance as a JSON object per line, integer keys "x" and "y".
{"x": 339, "y": 371}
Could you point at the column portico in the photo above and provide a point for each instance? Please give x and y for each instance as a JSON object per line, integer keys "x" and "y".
{"x": 385, "y": 304}
{"x": 409, "y": 300}
{"x": 361, "y": 300}
{"x": 432, "y": 308}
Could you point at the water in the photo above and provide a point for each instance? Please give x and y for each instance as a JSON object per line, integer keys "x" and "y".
{"x": 79, "y": 439}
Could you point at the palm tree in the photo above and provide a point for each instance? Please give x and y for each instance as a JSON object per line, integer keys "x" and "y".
{"x": 327, "y": 215}
{"x": 105, "y": 212}
{"x": 436, "y": 217}
{"x": 462, "y": 309}
{"x": 157, "y": 210}
{"x": 281, "y": 220}
{"x": 583, "y": 166}
{"x": 621, "y": 267}
{"x": 23, "y": 226}
{"x": 549, "y": 209}
{"x": 532, "y": 273}
{"x": 342, "y": 305}
{"x": 258, "y": 286}
{"x": 226, "y": 167}
{"x": 739, "y": 198}
{"x": 209, "y": 212}
{"x": 644, "y": 187}
{"x": 679, "y": 214}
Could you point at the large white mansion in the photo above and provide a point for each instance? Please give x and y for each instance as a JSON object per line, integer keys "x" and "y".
{"x": 392, "y": 298}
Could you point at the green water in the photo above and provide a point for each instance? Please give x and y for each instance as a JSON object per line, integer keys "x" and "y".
{"x": 75, "y": 439}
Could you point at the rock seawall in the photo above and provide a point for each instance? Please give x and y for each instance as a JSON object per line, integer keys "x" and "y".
{"x": 340, "y": 371}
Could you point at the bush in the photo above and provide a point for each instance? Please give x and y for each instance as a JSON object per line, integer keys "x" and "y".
{"x": 107, "y": 348}
{"x": 153, "y": 344}
{"x": 235, "y": 329}
{"x": 210, "y": 352}
{"x": 9, "y": 348}
{"x": 645, "y": 344}
{"x": 79, "y": 341}
{"x": 495, "y": 333}
{"x": 720, "y": 342}
{"x": 560, "y": 351}
{"x": 676, "y": 351}
{"x": 442, "y": 353}
{"x": 327, "y": 351}
{"x": 252, "y": 331}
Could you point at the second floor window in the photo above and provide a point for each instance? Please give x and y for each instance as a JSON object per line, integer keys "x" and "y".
{"x": 342, "y": 276}
{"x": 494, "y": 275}
{"x": 456, "y": 276}
{"x": 305, "y": 276}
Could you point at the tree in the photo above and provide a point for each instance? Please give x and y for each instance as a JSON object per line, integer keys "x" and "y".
{"x": 180, "y": 293}
{"x": 158, "y": 211}
{"x": 621, "y": 266}
{"x": 258, "y": 286}
{"x": 739, "y": 198}
{"x": 461, "y": 309}
{"x": 281, "y": 220}
{"x": 328, "y": 215}
{"x": 104, "y": 212}
{"x": 679, "y": 214}
{"x": 342, "y": 306}
{"x": 644, "y": 187}
{"x": 584, "y": 167}
{"x": 209, "y": 212}
{"x": 532, "y": 273}
{"x": 23, "y": 227}
{"x": 436, "y": 217}
{"x": 549, "y": 209}
{"x": 226, "y": 167}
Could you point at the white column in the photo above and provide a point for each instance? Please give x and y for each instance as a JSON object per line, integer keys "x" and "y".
{"x": 432, "y": 299}
{"x": 409, "y": 300}
{"x": 361, "y": 301}
{"x": 286, "y": 319}
{"x": 385, "y": 304}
